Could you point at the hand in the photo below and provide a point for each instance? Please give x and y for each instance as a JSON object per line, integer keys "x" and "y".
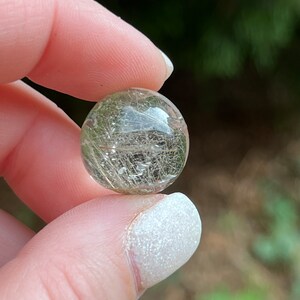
{"x": 111, "y": 247}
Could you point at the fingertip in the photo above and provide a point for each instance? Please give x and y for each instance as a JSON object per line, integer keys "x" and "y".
{"x": 162, "y": 238}
{"x": 76, "y": 47}
{"x": 104, "y": 54}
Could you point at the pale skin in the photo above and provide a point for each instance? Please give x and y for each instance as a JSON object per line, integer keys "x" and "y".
{"x": 79, "y": 48}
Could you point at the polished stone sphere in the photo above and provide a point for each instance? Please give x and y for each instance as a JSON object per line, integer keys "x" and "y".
{"x": 134, "y": 142}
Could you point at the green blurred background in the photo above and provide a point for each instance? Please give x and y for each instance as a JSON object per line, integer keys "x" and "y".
{"x": 237, "y": 83}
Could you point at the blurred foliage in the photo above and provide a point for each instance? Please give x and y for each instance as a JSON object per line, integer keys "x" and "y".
{"x": 280, "y": 246}
{"x": 215, "y": 38}
{"x": 29, "y": 218}
{"x": 249, "y": 293}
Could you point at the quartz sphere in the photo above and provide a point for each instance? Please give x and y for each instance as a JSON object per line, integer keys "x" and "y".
{"x": 134, "y": 142}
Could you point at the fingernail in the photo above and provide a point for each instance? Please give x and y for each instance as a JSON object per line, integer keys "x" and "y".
{"x": 163, "y": 238}
{"x": 169, "y": 65}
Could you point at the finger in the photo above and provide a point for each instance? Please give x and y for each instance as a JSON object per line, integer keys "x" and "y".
{"x": 76, "y": 47}
{"x": 13, "y": 236}
{"x": 40, "y": 153}
{"x": 109, "y": 249}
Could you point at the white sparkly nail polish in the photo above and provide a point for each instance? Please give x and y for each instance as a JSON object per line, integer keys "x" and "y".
{"x": 169, "y": 64}
{"x": 161, "y": 239}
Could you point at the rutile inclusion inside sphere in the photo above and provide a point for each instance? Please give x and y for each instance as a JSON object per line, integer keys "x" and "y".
{"x": 134, "y": 142}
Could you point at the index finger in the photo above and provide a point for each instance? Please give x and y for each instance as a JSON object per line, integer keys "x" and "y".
{"x": 77, "y": 47}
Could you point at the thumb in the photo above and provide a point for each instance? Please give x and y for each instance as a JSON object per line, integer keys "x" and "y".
{"x": 113, "y": 248}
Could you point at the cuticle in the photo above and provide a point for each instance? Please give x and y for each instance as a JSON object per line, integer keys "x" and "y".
{"x": 129, "y": 252}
